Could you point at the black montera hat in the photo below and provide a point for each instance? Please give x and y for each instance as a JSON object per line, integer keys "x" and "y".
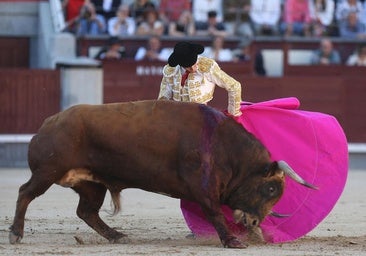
{"x": 185, "y": 54}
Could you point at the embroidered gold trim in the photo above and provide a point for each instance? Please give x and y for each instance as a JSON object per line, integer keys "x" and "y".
{"x": 230, "y": 82}
{"x": 194, "y": 93}
{"x": 169, "y": 71}
{"x": 204, "y": 99}
{"x": 204, "y": 64}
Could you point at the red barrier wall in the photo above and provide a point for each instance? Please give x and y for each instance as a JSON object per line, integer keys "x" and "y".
{"x": 339, "y": 95}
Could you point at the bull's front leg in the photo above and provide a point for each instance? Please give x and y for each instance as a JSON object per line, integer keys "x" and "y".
{"x": 215, "y": 215}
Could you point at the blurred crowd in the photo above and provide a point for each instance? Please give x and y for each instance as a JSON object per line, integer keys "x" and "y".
{"x": 218, "y": 19}
{"x": 309, "y": 18}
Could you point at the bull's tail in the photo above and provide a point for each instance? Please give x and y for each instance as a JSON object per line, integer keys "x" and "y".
{"x": 116, "y": 201}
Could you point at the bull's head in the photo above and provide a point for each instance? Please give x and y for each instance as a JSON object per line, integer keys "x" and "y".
{"x": 254, "y": 201}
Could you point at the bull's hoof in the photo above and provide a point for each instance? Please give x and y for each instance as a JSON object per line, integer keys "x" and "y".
{"x": 14, "y": 238}
{"x": 191, "y": 236}
{"x": 235, "y": 243}
{"x": 120, "y": 239}
{"x": 255, "y": 236}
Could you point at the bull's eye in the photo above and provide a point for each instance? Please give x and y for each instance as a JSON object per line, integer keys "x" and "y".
{"x": 270, "y": 190}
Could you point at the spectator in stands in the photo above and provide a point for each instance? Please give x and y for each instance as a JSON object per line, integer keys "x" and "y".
{"x": 363, "y": 14}
{"x": 153, "y": 51}
{"x": 113, "y": 51}
{"x": 265, "y": 16}
{"x": 326, "y": 54}
{"x": 72, "y": 11}
{"x": 151, "y": 25}
{"x": 217, "y": 51}
{"x": 170, "y": 11}
{"x": 359, "y": 57}
{"x": 122, "y": 24}
{"x": 184, "y": 26}
{"x": 352, "y": 27}
{"x": 297, "y": 18}
{"x": 347, "y": 6}
{"x": 236, "y": 17}
{"x": 106, "y": 8}
{"x": 202, "y": 7}
{"x": 138, "y": 8}
{"x": 322, "y": 13}
{"x": 243, "y": 54}
{"x": 212, "y": 27}
{"x": 90, "y": 23}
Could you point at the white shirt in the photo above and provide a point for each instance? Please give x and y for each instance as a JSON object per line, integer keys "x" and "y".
{"x": 265, "y": 11}
{"x": 353, "y": 60}
{"x": 201, "y": 8}
{"x": 163, "y": 54}
{"x": 326, "y": 16}
{"x": 224, "y": 54}
{"x": 126, "y": 29}
{"x": 107, "y": 5}
{"x": 363, "y": 14}
{"x": 344, "y": 8}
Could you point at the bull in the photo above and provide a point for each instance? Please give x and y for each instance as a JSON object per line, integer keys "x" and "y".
{"x": 185, "y": 150}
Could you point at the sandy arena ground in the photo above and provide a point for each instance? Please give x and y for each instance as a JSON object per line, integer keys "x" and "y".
{"x": 155, "y": 225}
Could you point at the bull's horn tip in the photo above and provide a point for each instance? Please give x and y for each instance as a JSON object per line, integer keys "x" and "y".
{"x": 306, "y": 184}
{"x": 279, "y": 215}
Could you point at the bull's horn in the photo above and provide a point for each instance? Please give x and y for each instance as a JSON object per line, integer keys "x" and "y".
{"x": 278, "y": 215}
{"x": 238, "y": 216}
{"x": 293, "y": 175}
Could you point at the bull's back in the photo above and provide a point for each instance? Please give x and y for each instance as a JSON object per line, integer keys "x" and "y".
{"x": 147, "y": 133}
{"x": 142, "y": 122}
{"x": 136, "y": 136}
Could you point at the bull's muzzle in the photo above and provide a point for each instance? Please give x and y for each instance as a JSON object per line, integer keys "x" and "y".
{"x": 249, "y": 220}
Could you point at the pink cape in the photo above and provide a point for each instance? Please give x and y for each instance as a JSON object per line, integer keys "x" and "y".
{"x": 314, "y": 145}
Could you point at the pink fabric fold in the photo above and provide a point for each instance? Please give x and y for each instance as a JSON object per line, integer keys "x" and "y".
{"x": 314, "y": 145}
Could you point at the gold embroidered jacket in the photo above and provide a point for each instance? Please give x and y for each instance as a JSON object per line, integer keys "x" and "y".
{"x": 199, "y": 86}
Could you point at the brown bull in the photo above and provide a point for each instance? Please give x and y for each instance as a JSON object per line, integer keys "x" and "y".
{"x": 184, "y": 150}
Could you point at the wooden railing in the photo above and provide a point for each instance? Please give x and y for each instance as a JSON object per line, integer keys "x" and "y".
{"x": 321, "y": 71}
{"x": 14, "y": 52}
{"x": 132, "y": 43}
{"x": 27, "y": 97}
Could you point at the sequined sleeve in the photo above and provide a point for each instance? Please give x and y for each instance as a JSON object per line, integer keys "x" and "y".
{"x": 233, "y": 87}
{"x": 166, "y": 84}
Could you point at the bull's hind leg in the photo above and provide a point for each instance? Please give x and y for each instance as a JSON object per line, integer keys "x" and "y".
{"x": 91, "y": 200}
{"x": 35, "y": 187}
